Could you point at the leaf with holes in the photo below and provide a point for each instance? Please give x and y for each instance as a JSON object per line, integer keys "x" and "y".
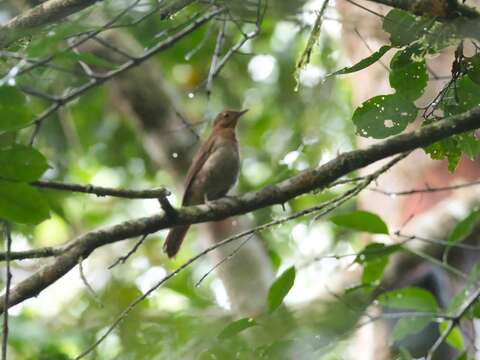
{"x": 408, "y": 75}
{"x": 14, "y": 110}
{"x": 22, "y": 203}
{"x": 383, "y": 116}
{"x": 403, "y": 27}
{"x": 280, "y": 288}
{"x": 236, "y": 327}
{"x": 473, "y": 68}
{"x": 22, "y": 163}
{"x": 362, "y": 221}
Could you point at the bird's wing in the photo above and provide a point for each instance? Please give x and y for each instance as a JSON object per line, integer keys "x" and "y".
{"x": 198, "y": 161}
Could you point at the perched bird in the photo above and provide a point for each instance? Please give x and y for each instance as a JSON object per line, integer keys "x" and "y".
{"x": 213, "y": 172}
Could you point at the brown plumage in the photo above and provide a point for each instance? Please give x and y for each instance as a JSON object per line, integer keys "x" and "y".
{"x": 213, "y": 172}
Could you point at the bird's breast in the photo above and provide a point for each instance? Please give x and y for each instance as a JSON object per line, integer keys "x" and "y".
{"x": 219, "y": 173}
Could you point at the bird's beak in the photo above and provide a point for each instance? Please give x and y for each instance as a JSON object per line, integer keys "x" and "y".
{"x": 240, "y": 113}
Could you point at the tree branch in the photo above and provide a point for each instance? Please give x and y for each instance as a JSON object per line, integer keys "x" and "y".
{"x": 282, "y": 192}
{"x": 46, "y": 13}
{"x": 446, "y": 9}
{"x": 156, "y": 193}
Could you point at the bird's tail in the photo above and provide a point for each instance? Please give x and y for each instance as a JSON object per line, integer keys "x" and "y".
{"x": 174, "y": 240}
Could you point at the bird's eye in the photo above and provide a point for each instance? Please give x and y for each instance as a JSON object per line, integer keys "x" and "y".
{"x": 227, "y": 115}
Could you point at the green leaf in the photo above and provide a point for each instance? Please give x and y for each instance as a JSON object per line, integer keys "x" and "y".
{"x": 22, "y": 163}
{"x": 375, "y": 250}
{"x": 383, "y": 116}
{"x": 410, "y": 325}
{"x": 403, "y": 27}
{"x": 364, "y": 63}
{"x": 464, "y": 227}
{"x": 22, "y": 203}
{"x": 280, "y": 288}
{"x": 455, "y": 338}
{"x": 374, "y": 259}
{"x": 408, "y": 75}
{"x": 362, "y": 221}
{"x": 236, "y": 327}
{"x": 373, "y": 270}
{"x": 14, "y": 110}
{"x": 457, "y": 302}
{"x": 410, "y": 298}
{"x": 473, "y": 68}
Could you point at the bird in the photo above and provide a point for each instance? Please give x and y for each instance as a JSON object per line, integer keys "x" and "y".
{"x": 213, "y": 172}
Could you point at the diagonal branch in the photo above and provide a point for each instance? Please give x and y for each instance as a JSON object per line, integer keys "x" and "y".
{"x": 280, "y": 193}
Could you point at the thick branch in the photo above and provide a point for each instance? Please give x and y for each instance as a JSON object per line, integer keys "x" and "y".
{"x": 282, "y": 192}
{"x": 446, "y": 9}
{"x": 46, "y": 13}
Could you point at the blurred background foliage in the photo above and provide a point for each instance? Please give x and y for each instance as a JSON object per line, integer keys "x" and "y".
{"x": 93, "y": 140}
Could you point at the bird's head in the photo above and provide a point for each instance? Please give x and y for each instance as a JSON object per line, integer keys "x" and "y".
{"x": 228, "y": 119}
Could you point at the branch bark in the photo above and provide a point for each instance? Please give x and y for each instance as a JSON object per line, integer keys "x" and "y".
{"x": 445, "y": 9}
{"x": 302, "y": 183}
{"x": 46, "y": 13}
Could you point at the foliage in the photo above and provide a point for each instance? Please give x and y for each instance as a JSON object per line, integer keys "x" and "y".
{"x": 96, "y": 138}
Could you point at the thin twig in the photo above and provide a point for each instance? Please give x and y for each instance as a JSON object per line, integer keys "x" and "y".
{"x": 425, "y": 190}
{"x": 87, "y": 285}
{"x": 226, "y": 258}
{"x": 215, "y": 57}
{"x": 124, "y": 258}
{"x": 99, "y": 191}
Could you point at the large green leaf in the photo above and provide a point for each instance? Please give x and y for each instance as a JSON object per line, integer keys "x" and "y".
{"x": 410, "y": 298}
{"x": 236, "y": 327}
{"x": 280, "y": 288}
{"x": 384, "y": 115}
{"x": 362, "y": 221}
{"x": 403, "y": 27}
{"x": 22, "y": 203}
{"x": 14, "y": 110}
{"x": 22, "y": 163}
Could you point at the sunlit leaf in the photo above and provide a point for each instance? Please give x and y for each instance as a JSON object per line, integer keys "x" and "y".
{"x": 362, "y": 221}
{"x": 22, "y": 163}
{"x": 410, "y": 298}
{"x": 280, "y": 288}
{"x": 22, "y": 203}
{"x": 455, "y": 338}
{"x": 383, "y": 116}
{"x": 236, "y": 327}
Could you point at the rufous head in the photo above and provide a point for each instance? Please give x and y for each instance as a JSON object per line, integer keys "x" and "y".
{"x": 228, "y": 119}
